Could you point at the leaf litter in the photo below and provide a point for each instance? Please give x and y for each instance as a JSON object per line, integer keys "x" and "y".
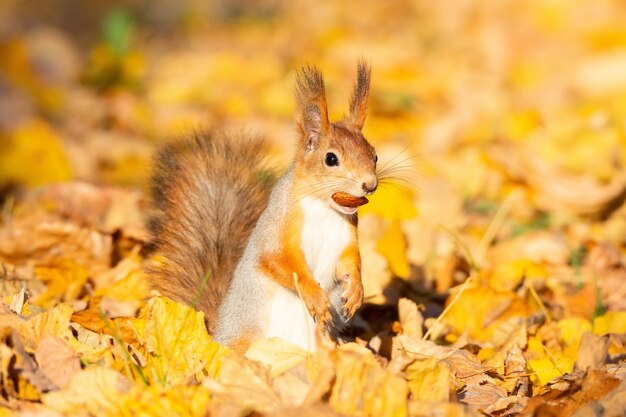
{"x": 493, "y": 256}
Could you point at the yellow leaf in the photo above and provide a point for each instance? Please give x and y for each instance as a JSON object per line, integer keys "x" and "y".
{"x": 26, "y": 390}
{"x": 6, "y": 412}
{"x": 393, "y": 203}
{"x": 392, "y": 246}
{"x": 177, "y": 340}
{"x": 611, "y": 322}
{"x": 125, "y": 282}
{"x": 362, "y": 387}
{"x": 572, "y": 330}
{"x": 248, "y": 384}
{"x": 33, "y": 156}
{"x": 489, "y": 308}
{"x": 64, "y": 278}
{"x": 94, "y": 391}
{"x": 51, "y": 323}
{"x": 520, "y": 124}
{"x": 279, "y": 355}
{"x": 178, "y": 400}
{"x": 506, "y": 276}
{"x": 485, "y": 353}
{"x": 429, "y": 380}
{"x": 545, "y": 370}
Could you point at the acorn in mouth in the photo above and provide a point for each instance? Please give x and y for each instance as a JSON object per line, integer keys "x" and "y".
{"x": 348, "y": 202}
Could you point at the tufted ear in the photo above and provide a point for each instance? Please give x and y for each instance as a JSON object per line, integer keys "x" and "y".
{"x": 360, "y": 95}
{"x": 311, "y": 106}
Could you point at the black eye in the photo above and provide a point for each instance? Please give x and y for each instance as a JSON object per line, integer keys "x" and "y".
{"x": 375, "y": 158}
{"x": 331, "y": 159}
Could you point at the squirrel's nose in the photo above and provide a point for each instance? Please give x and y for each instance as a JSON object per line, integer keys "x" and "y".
{"x": 370, "y": 185}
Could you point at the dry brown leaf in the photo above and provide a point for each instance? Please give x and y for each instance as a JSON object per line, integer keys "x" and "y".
{"x": 611, "y": 405}
{"x": 517, "y": 382}
{"x": 52, "y": 323}
{"x": 116, "y": 308}
{"x": 559, "y": 191}
{"x": 363, "y": 387}
{"x": 462, "y": 363}
{"x": 429, "y": 380}
{"x": 43, "y": 240}
{"x": 292, "y": 386}
{"x": 28, "y": 368}
{"x": 58, "y": 360}
{"x": 246, "y": 384}
{"x": 571, "y": 392}
{"x": 410, "y": 318}
{"x": 507, "y": 406}
{"x": 592, "y": 352}
{"x": 93, "y": 391}
{"x": 277, "y": 354}
{"x": 482, "y": 397}
{"x": 317, "y": 410}
{"x": 430, "y": 409}
{"x": 15, "y": 278}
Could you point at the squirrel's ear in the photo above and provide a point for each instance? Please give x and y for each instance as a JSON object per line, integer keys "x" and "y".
{"x": 360, "y": 95}
{"x": 311, "y": 102}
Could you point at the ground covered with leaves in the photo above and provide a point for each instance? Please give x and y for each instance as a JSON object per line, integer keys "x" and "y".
{"x": 494, "y": 259}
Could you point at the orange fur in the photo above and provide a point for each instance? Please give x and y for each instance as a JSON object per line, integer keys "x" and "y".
{"x": 289, "y": 259}
{"x": 244, "y": 341}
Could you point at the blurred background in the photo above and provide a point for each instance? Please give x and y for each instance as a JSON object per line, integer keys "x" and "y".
{"x": 478, "y": 105}
{"x": 88, "y": 88}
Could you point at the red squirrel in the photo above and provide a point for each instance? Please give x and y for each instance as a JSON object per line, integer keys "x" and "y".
{"x": 263, "y": 264}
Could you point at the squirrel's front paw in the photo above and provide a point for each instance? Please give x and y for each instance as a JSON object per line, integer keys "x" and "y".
{"x": 352, "y": 295}
{"x": 319, "y": 307}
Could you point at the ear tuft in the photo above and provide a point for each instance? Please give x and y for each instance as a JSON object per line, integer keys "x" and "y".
{"x": 311, "y": 105}
{"x": 360, "y": 95}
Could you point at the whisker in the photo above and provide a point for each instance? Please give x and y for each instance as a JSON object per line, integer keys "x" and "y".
{"x": 397, "y": 155}
{"x": 397, "y": 164}
{"x": 406, "y": 169}
{"x": 401, "y": 182}
{"x": 327, "y": 186}
{"x": 397, "y": 186}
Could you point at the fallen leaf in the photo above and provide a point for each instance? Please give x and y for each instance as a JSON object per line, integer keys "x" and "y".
{"x": 393, "y": 246}
{"x": 593, "y": 351}
{"x": 246, "y": 384}
{"x": 410, "y": 318}
{"x": 429, "y": 380}
{"x": 176, "y": 338}
{"x": 52, "y": 323}
{"x": 610, "y": 322}
{"x": 95, "y": 390}
{"x": 363, "y": 387}
{"x": 517, "y": 382}
{"x": 57, "y": 360}
{"x": 34, "y": 155}
{"x": 482, "y": 397}
{"x": 277, "y": 354}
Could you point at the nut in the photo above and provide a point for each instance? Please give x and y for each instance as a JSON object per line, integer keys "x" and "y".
{"x": 348, "y": 200}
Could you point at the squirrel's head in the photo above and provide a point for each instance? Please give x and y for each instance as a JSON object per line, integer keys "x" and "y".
{"x": 336, "y": 158}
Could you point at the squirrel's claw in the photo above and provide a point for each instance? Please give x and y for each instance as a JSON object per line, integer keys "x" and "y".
{"x": 320, "y": 308}
{"x": 352, "y": 296}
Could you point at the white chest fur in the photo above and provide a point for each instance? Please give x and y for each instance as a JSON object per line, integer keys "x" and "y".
{"x": 325, "y": 235}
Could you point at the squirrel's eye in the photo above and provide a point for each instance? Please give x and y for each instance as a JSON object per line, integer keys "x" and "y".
{"x": 375, "y": 159}
{"x": 331, "y": 159}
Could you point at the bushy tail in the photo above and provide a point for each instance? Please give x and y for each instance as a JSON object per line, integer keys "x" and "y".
{"x": 208, "y": 193}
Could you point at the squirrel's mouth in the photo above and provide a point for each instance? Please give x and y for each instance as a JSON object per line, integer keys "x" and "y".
{"x": 349, "y": 203}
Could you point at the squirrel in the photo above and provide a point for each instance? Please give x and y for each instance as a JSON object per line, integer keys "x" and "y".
{"x": 264, "y": 264}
